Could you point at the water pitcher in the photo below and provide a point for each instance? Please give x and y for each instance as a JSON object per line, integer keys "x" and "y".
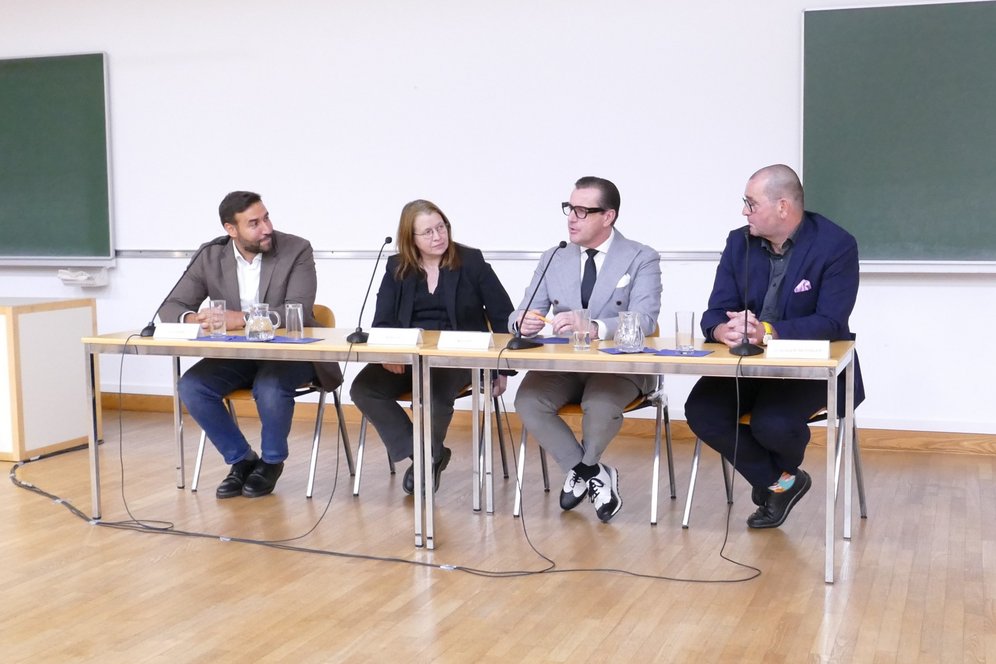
{"x": 260, "y": 325}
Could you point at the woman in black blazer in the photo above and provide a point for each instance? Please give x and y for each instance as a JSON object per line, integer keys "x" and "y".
{"x": 435, "y": 284}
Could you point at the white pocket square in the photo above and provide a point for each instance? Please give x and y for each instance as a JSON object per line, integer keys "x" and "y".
{"x": 624, "y": 281}
{"x": 803, "y": 286}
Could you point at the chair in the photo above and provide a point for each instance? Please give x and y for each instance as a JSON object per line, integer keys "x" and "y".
{"x": 819, "y": 416}
{"x": 656, "y": 399}
{"x": 325, "y": 318}
{"x": 465, "y": 392}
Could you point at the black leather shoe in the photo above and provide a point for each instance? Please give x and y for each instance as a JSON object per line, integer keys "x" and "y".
{"x": 408, "y": 481}
{"x": 778, "y": 505}
{"x": 231, "y": 486}
{"x": 759, "y": 495}
{"x": 262, "y": 479}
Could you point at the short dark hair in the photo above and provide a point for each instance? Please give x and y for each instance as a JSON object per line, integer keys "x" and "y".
{"x": 235, "y": 202}
{"x": 608, "y": 192}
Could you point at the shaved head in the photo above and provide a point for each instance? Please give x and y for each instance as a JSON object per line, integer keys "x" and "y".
{"x": 780, "y": 181}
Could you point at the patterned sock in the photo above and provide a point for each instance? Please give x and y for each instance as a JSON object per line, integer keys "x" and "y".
{"x": 783, "y": 484}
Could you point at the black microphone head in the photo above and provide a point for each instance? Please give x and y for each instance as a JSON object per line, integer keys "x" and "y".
{"x": 563, "y": 243}
{"x": 388, "y": 239}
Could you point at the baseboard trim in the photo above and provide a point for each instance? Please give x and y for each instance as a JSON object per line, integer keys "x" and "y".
{"x": 871, "y": 439}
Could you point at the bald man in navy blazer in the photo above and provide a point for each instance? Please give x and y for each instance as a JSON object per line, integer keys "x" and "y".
{"x": 803, "y": 285}
{"x": 626, "y": 276}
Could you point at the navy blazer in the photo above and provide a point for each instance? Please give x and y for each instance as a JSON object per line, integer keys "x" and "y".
{"x": 818, "y": 292}
{"x": 474, "y": 295}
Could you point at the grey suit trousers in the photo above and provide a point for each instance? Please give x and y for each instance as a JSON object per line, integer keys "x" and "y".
{"x": 602, "y": 398}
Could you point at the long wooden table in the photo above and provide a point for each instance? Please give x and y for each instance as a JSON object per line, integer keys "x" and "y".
{"x": 333, "y": 347}
{"x": 561, "y": 357}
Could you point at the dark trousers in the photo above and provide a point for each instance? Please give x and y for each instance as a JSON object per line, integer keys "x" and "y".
{"x": 776, "y": 438}
{"x": 375, "y": 392}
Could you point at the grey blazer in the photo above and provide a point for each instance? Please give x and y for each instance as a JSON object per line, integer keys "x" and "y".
{"x": 287, "y": 275}
{"x": 629, "y": 280}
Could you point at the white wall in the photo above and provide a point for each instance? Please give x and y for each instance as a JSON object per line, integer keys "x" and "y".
{"x": 340, "y": 112}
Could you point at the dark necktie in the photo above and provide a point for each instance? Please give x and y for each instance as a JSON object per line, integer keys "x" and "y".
{"x": 588, "y": 278}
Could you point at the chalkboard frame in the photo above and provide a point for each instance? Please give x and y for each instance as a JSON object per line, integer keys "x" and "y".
{"x": 924, "y": 211}
{"x": 73, "y": 102}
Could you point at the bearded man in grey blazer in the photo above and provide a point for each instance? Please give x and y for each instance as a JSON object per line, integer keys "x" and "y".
{"x": 253, "y": 263}
{"x": 604, "y": 272}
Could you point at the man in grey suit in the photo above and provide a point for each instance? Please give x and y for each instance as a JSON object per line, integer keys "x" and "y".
{"x": 254, "y": 263}
{"x": 604, "y": 272}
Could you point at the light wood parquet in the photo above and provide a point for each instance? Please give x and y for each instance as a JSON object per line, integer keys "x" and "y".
{"x": 916, "y": 584}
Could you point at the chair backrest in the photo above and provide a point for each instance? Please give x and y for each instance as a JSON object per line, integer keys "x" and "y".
{"x": 323, "y": 315}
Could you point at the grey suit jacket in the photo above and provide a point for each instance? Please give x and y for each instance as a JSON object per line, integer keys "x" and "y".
{"x": 629, "y": 280}
{"x": 287, "y": 275}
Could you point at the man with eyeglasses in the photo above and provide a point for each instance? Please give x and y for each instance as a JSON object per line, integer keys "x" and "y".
{"x": 606, "y": 273}
{"x": 803, "y": 283}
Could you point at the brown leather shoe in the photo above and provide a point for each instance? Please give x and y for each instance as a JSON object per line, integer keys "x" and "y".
{"x": 231, "y": 486}
{"x": 262, "y": 479}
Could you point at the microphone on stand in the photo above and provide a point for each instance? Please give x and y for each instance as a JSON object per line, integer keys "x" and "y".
{"x": 150, "y": 329}
{"x": 359, "y": 336}
{"x": 745, "y": 348}
{"x": 518, "y": 342}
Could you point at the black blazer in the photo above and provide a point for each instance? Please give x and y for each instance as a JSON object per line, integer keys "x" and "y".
{"x": 474, "y": 295}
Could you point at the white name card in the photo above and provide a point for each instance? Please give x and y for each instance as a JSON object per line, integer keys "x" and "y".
{"x": 798, "y": 349}
{"x": 395, "y": 336}
{"x": 177, "y": 331}
{"x": 454, "y": 340}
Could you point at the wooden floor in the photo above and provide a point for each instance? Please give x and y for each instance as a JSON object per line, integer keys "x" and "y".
{"x": 916, "y": 584}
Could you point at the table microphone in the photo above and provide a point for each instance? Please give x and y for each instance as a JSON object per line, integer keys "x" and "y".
{"x": 518, "y": 342}
{"x": 150, "y": 329}
{"x": 745, "y": 348}
{"x": 359, "y": 336}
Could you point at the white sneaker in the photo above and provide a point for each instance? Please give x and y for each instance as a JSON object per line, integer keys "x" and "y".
{"x": 575, "y": 489}
{"x": 603, "y": 489}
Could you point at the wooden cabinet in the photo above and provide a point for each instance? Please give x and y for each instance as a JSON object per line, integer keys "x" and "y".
{"x": 43, "y": 392}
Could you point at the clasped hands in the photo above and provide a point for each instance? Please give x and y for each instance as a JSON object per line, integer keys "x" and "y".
{"x": 731, "y": 332}
{"x": 234, "y": 320}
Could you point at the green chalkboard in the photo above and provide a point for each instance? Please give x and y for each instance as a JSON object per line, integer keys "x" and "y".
{"x": 54, "y": 196}
{"x": 899, "y": 128}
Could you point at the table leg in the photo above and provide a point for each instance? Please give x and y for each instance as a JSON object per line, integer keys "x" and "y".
{"x": 831, "y": 468}
{"x": 848, "y": 450}
{"x": 178, "y": 425}
{"x": 91, "y": 393}
{"x": 489, "y": 476}
{"x": 475, "y": 437}
{"x": 421, "y": 419}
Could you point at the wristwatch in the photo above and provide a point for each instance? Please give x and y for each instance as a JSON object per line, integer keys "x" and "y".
{"x": 768, "y": 333}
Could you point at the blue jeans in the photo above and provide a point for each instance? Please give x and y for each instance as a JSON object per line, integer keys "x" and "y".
{"x": 204, "y": 386}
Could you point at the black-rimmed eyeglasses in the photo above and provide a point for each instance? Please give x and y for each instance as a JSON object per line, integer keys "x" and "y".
{"x": 750, "y": 206}
{"x": 579, "y": 210}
